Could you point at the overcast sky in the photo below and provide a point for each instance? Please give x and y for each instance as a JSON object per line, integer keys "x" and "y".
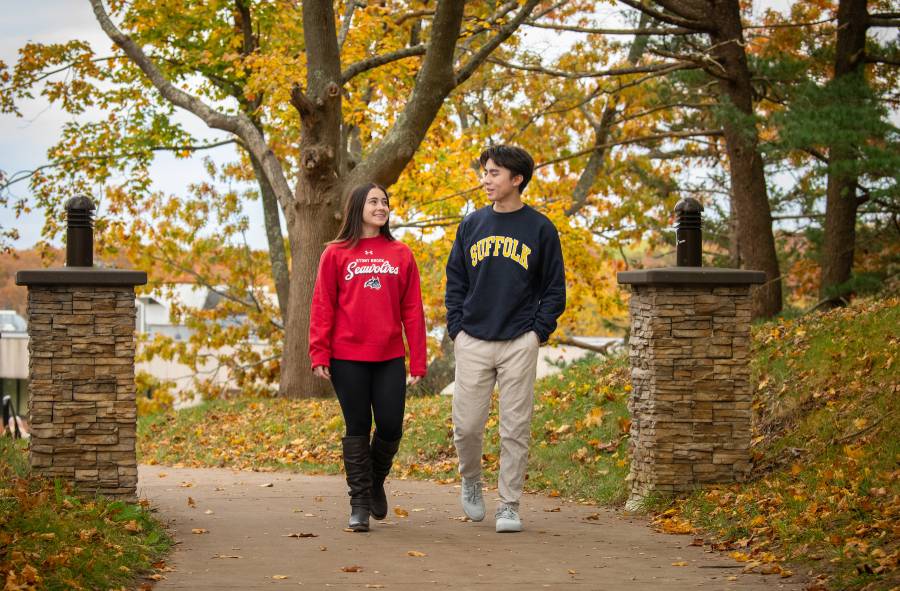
{"x": 24, "y": 141}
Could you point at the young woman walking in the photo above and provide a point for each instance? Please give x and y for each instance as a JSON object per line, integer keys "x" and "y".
{"x": 366, "y": 297}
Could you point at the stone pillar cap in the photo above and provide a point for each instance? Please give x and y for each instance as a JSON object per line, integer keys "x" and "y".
{"x": 691, "y": 276}
{"x": 80, "y": 276}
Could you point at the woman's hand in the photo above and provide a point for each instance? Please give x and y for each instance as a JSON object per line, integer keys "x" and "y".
{"x": 322, "y": 371}
{"x": 413, "y": 380}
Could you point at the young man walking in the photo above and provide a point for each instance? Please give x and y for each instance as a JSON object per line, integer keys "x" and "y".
{"x": 505, "y": 290}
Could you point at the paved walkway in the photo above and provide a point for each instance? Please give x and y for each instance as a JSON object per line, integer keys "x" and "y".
{"x": 250, "y": 519}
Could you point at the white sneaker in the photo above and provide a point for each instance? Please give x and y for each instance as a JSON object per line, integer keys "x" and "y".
{"x": 472, "y": 499}
{"x": 507, "y": 516}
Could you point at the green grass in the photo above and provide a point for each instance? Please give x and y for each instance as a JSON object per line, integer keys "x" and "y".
{"x": 569, "y": 456}
{"x": 826, "y": 489}
{"x": 53, "y": 538}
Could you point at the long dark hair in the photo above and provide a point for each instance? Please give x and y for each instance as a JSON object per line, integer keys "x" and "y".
{"x": 352, "y": 226}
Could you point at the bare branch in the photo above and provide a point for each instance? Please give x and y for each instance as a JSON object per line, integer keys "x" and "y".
{"x": 602, "y": 349}
{"x": 600, "y": 31}
{"x": 66, "y": 67}
{"x": 636, "y": 140}
{"x": 376, "y": 61}
{"x": 668, "y": 18}
{"x": 26, "y": 174}
{"x": 345, "y": 22}
{"x": 883, "y": 22}
{"x": 877, "y": 59}
{"x": 412, "y": 15}
{"x": 791, "y": 25}
{"x": 669, "y": 67}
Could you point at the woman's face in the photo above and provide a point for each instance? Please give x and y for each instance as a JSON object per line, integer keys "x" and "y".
{"x": 376, "y": 209}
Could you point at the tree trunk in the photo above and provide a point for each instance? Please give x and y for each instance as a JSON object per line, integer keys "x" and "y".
{"x": 748, "y": 183}
{"x": 272, "y": 223}
{"x": 315, "y": 225}
{"x": 440, "y": 372}
{"x": 840, "y": 197}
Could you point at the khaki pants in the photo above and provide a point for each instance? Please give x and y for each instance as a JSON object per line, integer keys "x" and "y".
{"x": 479, "y": 365}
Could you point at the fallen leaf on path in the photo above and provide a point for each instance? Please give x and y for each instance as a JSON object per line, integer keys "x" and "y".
{"x": 199, "y": 530}
{"x": 266, "y": 485}
{"x": 400, "y": 512}
{"x": 416, "y": 554}
{"x": 323, "y": 548}
{"x": 300, "y": 535}
{"x": 553, "y": 510}
{"x": 680, "y": 563}
{"x": 279, "y": 577}
{"x": 162, "y": 474}
{"x": 573, "y": 572}
{"x": 553, "y": 493}
{"x": 352, "y": 569}
{"x": 208, "y": 512}
{"x": 374, "y": 586}
{"x": 226, "y": 556}
{"x": 186, "y": 484}
{"x": 593, "y": 517}
{"x": 191, "y": 502}
{"x": 696, "y": 542}
{"x": 347, "y": 529}
{"x": 156, "y": 577}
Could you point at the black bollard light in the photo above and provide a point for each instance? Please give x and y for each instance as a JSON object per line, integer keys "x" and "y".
{"x": 688, "y": 236}
{"x": 79, "y": 232}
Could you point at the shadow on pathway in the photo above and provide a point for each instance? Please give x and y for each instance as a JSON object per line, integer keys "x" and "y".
{"x": 564, "y": 545}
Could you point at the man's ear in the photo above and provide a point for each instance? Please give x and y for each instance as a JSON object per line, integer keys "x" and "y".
{"x": 517, "y": 180}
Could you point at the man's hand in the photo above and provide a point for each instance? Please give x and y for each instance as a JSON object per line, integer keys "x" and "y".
{"x": 413, "y": 380}
{"x": 322, "y": 371}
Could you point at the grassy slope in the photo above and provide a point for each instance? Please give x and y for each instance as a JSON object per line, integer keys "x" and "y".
{"x": 51, "y": 538}
{"x": 826, "y": 489}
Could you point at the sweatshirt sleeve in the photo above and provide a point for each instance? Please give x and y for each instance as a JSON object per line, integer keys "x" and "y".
{"x": 414, "y": 319}
{"x": 552, "y": 285}
{"x": 321, "y": 314}
{"x": 457, "y": 285}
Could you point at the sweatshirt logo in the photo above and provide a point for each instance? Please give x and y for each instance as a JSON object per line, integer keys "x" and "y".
{"x": 505, "y": 246}
{"x": 369, "y": 267}
{"x": 372, "y": 283}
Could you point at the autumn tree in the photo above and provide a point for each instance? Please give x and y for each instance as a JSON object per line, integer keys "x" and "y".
{"x": 242, "y": 67}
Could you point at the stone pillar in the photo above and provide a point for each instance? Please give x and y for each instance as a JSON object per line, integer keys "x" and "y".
{"x": 81, "y": 366}
{"x": 691, "y": 397}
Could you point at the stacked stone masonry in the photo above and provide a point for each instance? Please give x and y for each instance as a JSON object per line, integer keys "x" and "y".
{"x": 82, "y": 386}
{"x": 691, "y": 399}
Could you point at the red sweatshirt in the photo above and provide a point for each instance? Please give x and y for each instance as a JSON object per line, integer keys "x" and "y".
{"x": 362, "y": 296}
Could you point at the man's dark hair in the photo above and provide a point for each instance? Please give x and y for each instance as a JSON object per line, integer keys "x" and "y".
{"x": 514, "y": 158}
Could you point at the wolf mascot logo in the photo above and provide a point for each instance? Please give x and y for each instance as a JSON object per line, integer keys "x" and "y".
{"x": 373, "y": 283}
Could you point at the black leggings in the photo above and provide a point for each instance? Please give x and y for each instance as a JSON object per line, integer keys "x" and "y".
{"x": 365, "y": 388}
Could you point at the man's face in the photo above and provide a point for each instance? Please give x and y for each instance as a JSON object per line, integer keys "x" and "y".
{"x": 499, "y": 182}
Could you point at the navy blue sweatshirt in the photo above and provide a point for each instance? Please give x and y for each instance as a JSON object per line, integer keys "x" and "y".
{"x": 505, "y": 276}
